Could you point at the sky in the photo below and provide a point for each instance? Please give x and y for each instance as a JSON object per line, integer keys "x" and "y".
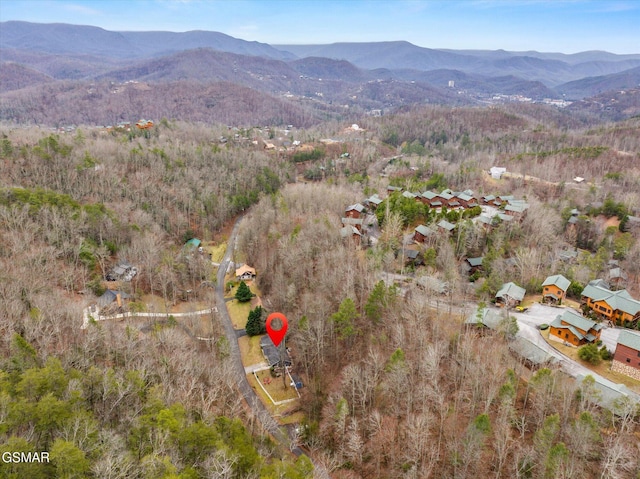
{"x": 566, "y": 26}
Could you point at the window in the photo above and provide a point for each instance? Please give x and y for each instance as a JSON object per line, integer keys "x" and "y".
{"x": 566, "y": 335}
{"x": 628, "y": 360}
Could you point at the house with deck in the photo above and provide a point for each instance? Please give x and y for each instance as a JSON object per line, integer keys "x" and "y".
{"x": 354, "y": 211}
{"x": 554, "y": 289}
{"x": 616, "y": 306}
{"x": 572, "y": 328}
{"x": 510, "y": 295}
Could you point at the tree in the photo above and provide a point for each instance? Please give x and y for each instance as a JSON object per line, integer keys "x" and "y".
{"x": 243, "y": 294}
{"x": 590, "y": 353}
{"x": 344, "y": 319}
{"x": 255, "y": 322}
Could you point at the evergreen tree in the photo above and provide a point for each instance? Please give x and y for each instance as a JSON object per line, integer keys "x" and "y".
{"x": 243, "y": 294}
{"x": 255, "y": 322}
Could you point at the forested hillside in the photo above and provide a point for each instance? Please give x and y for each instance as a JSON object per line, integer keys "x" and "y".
{"x": 394, "y": 384}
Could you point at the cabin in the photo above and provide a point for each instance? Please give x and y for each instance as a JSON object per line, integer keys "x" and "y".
{"x": 421, "y": 233}
{"x": 273, "y": 354}
{"x": 616, "y": 306}
{"x": 554, "y": 289}
{"x": 475, "y": 264}
{"x": 510, "y": 295}
{"x": 467, "y": 200}
{"x": 110, "y": 296}
{"x": 374, "y": 201}
{"x": 571, "y": 328}
{"x": 430, "y": 198}
{"x": 412, "y": 257}
{"x": 245, "y": 273}
{"x": 626, "y": 358}
{"x": 446, "y": 227}
{"x": 354, "y": 211}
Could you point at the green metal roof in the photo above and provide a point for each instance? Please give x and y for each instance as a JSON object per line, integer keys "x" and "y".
{"x": 557, "y": 280}
{"x": 629, "y": 339}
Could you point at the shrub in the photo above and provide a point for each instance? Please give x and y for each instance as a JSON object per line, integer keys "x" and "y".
{"x": 590, "y": 354}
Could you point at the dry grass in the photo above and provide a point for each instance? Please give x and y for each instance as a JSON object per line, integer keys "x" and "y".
{"x": 217, "y": 251}
{"x": 250, "y": 350}
{"x": 238, "y": 313}
{"x": 276, "y": 411}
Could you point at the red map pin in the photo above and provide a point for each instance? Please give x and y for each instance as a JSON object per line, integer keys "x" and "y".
{"x": 276, "y": 327}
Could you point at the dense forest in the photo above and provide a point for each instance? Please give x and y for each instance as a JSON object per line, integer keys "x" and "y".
{"x": 394, "y": 385}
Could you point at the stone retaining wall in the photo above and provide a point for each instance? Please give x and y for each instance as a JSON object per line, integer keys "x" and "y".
{"x": 625, "y": 369}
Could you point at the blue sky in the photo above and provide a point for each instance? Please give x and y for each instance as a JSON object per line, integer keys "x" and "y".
{"x": 566, "y": 26}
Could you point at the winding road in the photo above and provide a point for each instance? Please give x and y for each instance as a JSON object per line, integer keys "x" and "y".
{"x": 257, "y": 407}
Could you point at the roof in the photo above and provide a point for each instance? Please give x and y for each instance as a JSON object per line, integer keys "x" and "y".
{"x": 110, "y": 296}
{"x": 424, "y": 230}
{"x": 517, "y": 207}
{"x": 629, "y": 339}
{"x": 504, "y": 217}
{"x": 574, "y": 319}
{"x": 357, "y": 207}
{"x": 489, "y": 197}
{"x": 446, "y": 225}
{"x": 245, "y": 269}
{"x": 475, "y": 261}
{"x": 617, "y": 273}
{"x": 511, "y": 290}
{"x": 429, "y": 195}
{"x": 272, "y": 353}
{"x": 394, "y": 188}
{"x": 375, "y": 199}
{"x": 411, "y": 253}
{"x": 557, "y": 280}
{"x": 557, "y": 323}
{"x": 531, "y": 351}
{"x": 193, "y": 243}
{"x": 488, "y": 317}
{"x": 618, "y": 300}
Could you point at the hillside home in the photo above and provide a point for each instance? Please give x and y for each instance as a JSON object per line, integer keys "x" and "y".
{"x": 474, "y": 264}
{"x": 430, "y": 198}
{"x": 626, "y": 359}
{"x": 570, "y": 327}
{"x": 110, "y": 296}
{"x": 467, "y": 200}
{"x": 421, "y": 233}
{"x": 446, "y": 227}
{"x": 510, "y": 295}
{"x": 392, "y": 189}
{"x": 245, "y": 273}
{"x": 413, "y": 257}
{"x": 373, "y": 201}
{"x": 554, "y": 288}
{"x": 410, "y": 195}
{"x": 354, "y": 211}
{"x": 616, "y": 306}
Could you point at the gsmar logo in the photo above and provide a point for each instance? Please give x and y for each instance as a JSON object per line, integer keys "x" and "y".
{"x": 25, "y": 457}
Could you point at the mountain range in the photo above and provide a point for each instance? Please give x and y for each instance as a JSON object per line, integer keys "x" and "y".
{"x": 334, "y": 78}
